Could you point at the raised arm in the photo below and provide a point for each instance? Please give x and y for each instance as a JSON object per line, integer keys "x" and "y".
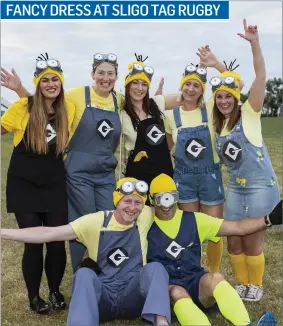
{"x": 159, "y": 90}
{"x": 208, "y": 59}
{"x": 39, "y": 234}
{"x": 257, "y": 91}
{"x": 13, "y": 82}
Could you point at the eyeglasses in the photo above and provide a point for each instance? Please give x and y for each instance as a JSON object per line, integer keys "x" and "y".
{"x": 200, "y": 72}
{"x": 165, "y": 199}
{"x": 42, "y": 65}
{"x": 137, "y": 69}
{"x": 109, "y": 57}
{"x": 128, "y": 187}
{"x": 228, "y": 81}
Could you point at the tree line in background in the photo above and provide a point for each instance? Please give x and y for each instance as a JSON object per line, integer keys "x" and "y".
{"x": 273, "y": 106}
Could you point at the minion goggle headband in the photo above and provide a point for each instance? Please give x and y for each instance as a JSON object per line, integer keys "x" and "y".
{"x": 99, "y": 58}
{"x": 137, "y": 69}
{"x": 129, "y": 187}
{"x": 228, "y": 81}
{"x": 42, "y": 65}
{"x": 200, "y": 72}
{"x": 165, "y": 199}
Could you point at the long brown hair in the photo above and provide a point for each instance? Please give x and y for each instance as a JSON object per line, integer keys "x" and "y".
{"x": 38, "y": 119}
{"x": 149, "y": 107}
{"x": 219, "y": 118}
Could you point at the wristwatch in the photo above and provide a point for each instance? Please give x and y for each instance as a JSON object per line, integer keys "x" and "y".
{"x": 267, "y": 221}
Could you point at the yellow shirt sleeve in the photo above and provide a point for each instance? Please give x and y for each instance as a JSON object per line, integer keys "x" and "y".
{"x": 208, "y": 227}
{"x": 87, "y": 229}
{"x": 15, "y": 119}
{"x": 12, "y": 119}
{"x": 144, "y": 223}
{"x": 251, "y": 124}
{"x": 71, "y": 114}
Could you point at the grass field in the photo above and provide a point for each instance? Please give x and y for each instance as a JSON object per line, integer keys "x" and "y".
{"x": 15, "y": 309}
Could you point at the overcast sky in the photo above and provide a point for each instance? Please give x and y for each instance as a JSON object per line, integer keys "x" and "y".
{"x": 170, "y": 46}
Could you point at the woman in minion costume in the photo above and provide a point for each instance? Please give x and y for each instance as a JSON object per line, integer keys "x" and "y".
{"x": 36, "y": 183}
{"x": 197, "y": 170}
{"x": 143, "y": 127}
{"x": 90, "y": 159}
{"x": 253, "y": 188}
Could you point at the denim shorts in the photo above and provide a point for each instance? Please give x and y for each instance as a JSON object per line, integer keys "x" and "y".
{"x": 250, "y": 203}
{"x": 205, "y": 186}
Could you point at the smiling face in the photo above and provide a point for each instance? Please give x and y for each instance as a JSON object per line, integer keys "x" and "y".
{"x": 128, "y": 209}
{"x": 138, "y": 89}
{"x": 192, "y": 90}
{"x": 165, "y": 213}
{"x": 105, "y": 77}
{"x": 50, "y": 86}
{"x": 225, "y": 102}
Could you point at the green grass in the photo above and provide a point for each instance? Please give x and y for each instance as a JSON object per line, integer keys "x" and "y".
{"x": 15, "y": 310}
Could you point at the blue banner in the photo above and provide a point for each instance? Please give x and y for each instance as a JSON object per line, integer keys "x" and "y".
{"x": 115, "y": 10}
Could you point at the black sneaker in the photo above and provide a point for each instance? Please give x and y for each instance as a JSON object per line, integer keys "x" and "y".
{"x": 38, "y": 305}
{"x": 57, "y": 300}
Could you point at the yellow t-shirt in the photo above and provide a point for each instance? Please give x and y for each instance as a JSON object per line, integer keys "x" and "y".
{"x": 207, "y": 226}
{"x": 129, "y": 133}
{"x": 88, "y": 227}
{"x": 76, "y": 95}
{"x": 251, "y": 125}
{"x": 191, "y": 119}
{"x": 15, "y": 119}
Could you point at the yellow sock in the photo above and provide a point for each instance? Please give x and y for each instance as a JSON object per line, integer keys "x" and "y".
{"x": 240, "y": 268}
{"x": 256, "y": 268}
{"x": 230, "y": 304}
{"x": 214, "y": 255}
{"x": 189, "y": 314}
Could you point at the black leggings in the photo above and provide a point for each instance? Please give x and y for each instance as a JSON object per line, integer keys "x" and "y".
{"x": 32, "y": 262}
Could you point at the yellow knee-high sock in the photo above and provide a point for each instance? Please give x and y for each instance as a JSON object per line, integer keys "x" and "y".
{"x": 189, "y": 314}
{"x": 240, "y": 268}
{"x": 256, "y": 268}
{"x": 214, "y": 255}
{"x": 230, "y": 304}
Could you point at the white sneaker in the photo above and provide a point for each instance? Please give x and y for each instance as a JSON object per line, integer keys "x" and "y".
{"x": 254, "y": 293}
{"x": 241, "y": 290}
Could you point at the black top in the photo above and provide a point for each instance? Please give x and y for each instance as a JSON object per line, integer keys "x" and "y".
{"x": 36, "y": 182}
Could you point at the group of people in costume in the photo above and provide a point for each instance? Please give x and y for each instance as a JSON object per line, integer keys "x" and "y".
{"x": 143, "y": 233}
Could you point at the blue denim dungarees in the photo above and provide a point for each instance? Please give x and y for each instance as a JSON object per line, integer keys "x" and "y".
{"x": 91, "y": 164}
{"x": 197, "y": 177}
{"x": 253, "y": 188}
{"x": 180, "y": 256}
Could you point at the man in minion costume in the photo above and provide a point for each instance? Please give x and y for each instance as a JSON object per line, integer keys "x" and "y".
{"x": 175, "y": 241}
{"x": 118, "y": 286}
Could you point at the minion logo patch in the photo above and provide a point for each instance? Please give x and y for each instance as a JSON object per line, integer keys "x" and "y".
{"x": 195, "y": 149}
{"x": 232, "y": 151}
{"x": 118, "y": 257}
{"x": 50, "y": 134}
{"x": 154, "y": 134}
{"x": 104, "y": 128}
{"x": 173, "y": 251}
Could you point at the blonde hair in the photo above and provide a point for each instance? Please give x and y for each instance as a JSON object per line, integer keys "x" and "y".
{"x": 38, "y": 119}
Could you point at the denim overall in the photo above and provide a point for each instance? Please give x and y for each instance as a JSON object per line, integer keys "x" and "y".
{"x": 120, "y": 287}
{"x": 197, "y": 177}
{"x": 90, "y": 166}
{"x": 180, "y": 256}
{"x": 253, "y": 189}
